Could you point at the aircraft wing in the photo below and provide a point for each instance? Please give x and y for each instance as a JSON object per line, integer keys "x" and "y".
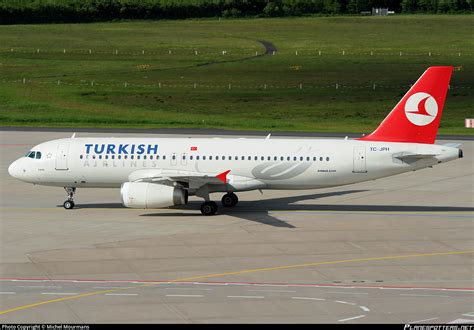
{"x": 191, "y": 179}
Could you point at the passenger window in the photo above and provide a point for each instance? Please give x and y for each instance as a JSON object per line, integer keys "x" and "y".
{"x": 288, "y": 158}
{"x": 106, "y": 157}
{"x": 236, "y": 157}
{"x": 191, "y": 157}
{"x": 243, "y": 158}
{"x": 203, "y": 157}
{"x": 282, "y": 158}
{"x": 217, "y": 157}
{"x": 255, "y": 158}
{"x": 275, "y": 158}
{"x": 327, "y": 159}
{"x": 307, "y": 159}
{"x": 125, "y": 156}
{"x": 320, "y": 159}
{"x": 269, "y": 158}
{"x": 93, "y": 156}
{"x": 314, "y": 159}
{"x": 223, "y": 157}
{"x": 144, "y": 156}
{"x": 184, "y": 157}
{"x": 249, "y": 158}
{"x": 131, "y": 157}
{"x": 294, "y": 158}
{"x": 119, "y": 157}
{"x": 164, "y": 157}
{"x": 301, "y": 159}
{"x": 210, "y": 157}
{"x": 262, "y": 158}
{"x": 173, "y": 157}
{"x": 81, "y": 156}
{"x": 197, "y": 157}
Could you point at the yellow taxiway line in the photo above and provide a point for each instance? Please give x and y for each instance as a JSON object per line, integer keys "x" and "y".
{"x": 246, "y": 271}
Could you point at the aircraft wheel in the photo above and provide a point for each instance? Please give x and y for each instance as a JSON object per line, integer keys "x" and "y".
{"x": 229, "y": 200}
{"x": 209, "y": 208}
{"x": 68, "y": 205}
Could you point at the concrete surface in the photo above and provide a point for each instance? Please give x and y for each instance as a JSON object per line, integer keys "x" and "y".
{"x": 396, "y": 250}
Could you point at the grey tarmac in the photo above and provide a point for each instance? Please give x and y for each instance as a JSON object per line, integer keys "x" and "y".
{"x": 396, "y": 250}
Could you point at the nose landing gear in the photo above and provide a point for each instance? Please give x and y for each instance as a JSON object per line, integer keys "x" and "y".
{"x": 69, "y": 203}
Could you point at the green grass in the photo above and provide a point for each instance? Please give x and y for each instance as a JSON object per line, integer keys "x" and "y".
{"x": 92, "y": 92}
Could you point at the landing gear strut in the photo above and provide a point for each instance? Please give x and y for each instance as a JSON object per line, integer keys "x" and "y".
{"x": 229, "y": 200}
{"x": 209, "y": 208}
{"x": 69, "y": 203}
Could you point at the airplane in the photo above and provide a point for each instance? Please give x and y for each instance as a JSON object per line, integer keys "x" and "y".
{"x": 163, "y": 172}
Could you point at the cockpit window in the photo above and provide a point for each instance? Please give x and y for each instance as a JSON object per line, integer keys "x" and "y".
{"x": 33, "y": 154}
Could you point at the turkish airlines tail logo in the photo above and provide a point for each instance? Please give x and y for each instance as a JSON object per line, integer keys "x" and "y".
{"x": 421, "y": 109}
{"x": 416, "y": 117}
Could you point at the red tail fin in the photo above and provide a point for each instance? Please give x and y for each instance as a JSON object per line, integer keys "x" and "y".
{"x": 416, "y": 117}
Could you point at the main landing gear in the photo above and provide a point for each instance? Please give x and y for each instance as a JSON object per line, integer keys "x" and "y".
{"x": 210, "y": 207}
{"x": 69, "y": 203}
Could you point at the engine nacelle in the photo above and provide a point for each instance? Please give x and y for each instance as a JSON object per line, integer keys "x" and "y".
{"x": 144, "y": 195}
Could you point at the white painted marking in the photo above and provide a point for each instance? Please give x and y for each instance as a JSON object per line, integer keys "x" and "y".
{"x": 247, "y": 297}
{"x": 107, "y": 287}
{"x": 423, "y": 295}
{"x": 121, "y": 294}
{"x": 347, "y": 292}
{"x": 434, "y": 318}
{"x": 365, "y": 309}
{"x": 61, "y": 293}
{"x": 307, "y": 298}
{"x": 470, "y": 314}
{"x": 351, "y": 318}
{"x": 344, "y": 302}
{"x": 457, "y": 321}
{"x": 7, "y": 292}
{"x": 185, "y": 295}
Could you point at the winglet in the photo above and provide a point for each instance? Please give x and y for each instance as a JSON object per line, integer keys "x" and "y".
{"x": 223, "y": 176}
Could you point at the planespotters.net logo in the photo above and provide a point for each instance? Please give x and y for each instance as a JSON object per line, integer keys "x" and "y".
{"x": 439, "y": 327}
{"x": 421, "y": 109}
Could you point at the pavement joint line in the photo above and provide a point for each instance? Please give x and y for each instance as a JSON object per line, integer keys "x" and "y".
{"x": 94, "y": 293}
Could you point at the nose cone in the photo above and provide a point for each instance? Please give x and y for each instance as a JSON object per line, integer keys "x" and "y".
{"x": 14, "y": 170}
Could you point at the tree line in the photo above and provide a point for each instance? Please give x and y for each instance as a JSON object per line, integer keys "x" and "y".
{"x": 65, "y": 11}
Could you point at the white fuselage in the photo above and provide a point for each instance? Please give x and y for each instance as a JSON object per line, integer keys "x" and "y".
{"x": 253, "y": 163}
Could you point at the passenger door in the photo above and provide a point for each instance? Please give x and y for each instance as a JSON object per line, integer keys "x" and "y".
{"x": 61, "y": 157}
{"x": 359, "y": 161}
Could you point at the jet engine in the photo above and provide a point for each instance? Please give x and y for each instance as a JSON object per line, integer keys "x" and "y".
{"x": 144, "y": 195}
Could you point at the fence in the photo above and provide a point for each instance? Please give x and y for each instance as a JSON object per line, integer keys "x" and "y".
{"x": 229, "y": 86}
{"x": 225, "y": 52}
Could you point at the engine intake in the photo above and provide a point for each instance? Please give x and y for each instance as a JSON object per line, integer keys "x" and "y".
{"x": 144, "y": 195}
